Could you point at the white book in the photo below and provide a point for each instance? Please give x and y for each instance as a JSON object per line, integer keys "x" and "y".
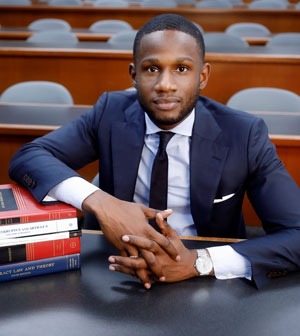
{"x": 39, "y": 238}
{"x": 38, "y": 228}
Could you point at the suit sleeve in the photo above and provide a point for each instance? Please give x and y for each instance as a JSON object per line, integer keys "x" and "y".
{"x": 43, "y": 163}
{"x": 276, "y": 199}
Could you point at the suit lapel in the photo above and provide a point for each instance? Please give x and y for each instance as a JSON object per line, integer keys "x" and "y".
{"x": 208, "y": 153}
{"x": 127, "y": 145}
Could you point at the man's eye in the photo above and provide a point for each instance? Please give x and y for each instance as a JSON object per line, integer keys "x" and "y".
{"x": 182, "y": 68}
{"x": 152, "y": 69}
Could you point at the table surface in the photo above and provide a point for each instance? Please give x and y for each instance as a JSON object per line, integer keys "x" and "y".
{"x": 96, "y": 301}
{"x": 40, "y": 114}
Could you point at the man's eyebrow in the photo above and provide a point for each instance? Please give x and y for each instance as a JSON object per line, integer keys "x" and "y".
{"x": 150, "y": 60}
{"x": 182, "y": 59}
{"x": 157, "y": 60}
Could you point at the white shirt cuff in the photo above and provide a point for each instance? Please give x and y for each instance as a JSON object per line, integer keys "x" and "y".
{"x": 229, "y": 264}
{"x": 73, "y": 190}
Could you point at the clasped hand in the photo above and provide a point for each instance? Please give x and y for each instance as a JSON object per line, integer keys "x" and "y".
{"x": 160, "y": 256}
{"x": 153, "y": 262}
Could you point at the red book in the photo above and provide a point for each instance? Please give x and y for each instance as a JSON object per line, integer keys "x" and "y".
{"x": 17, "y": 205}
{"x": 39, "y": 250}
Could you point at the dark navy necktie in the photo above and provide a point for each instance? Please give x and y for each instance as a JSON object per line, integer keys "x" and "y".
{"x": 159, "y": 177}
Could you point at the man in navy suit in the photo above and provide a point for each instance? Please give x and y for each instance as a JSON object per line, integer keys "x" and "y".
{"x": 216, "y": 155}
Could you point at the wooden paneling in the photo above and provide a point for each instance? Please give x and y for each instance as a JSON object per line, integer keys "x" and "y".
{"x": 85, "y": 73}
{"x": 288, "y": 149}
{"x": 10, "y": 143}
{"x": 14, "y": 135}
{"x": 89, "y": 72}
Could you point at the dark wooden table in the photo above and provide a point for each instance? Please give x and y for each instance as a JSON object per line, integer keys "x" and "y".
{"x": 95, "y": 301}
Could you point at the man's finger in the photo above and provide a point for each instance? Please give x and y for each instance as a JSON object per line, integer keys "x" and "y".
{"x": 136, "y": 267}
{"x": 150, "y": 213}
{"x": 166, "y": 244}
{"x": 157, "y": 240}
{"x": 153, "y": 265}
{"x": 122, "y": 269}
{"x": 140, "y": 242}
{"x": 165, "y": 228}
{"x": 129, "y": 262}
{"x": 142, "y": 274}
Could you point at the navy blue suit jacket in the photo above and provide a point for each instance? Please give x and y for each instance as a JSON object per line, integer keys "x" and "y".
{"x": 230, "y": 154}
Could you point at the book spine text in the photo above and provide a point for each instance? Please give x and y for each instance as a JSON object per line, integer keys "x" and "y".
{"x": 39, "y": 267}
{"x": 38, "y": 228}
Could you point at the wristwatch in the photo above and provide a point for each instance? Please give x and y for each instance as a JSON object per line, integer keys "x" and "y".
{"x": 203, "y": 263}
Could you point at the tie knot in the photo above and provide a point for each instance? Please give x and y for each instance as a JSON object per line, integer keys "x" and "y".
{"x": 164, "y": 138}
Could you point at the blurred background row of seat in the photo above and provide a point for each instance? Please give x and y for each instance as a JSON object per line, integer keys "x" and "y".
{"x": 56, "y": 30}
{"x": 214, "y": 42}
{"x": 37, "y": 92}
{"x": 250, "y": 99}
{"x": 241, "y": 29}
{"x": 120, "y": 40}
{"x": 265, "y": 99}
{"x": 229, "y": 40}
{"x": 123, "y": 34}
{"x": 110, "y": 26}
{"x": 254, "y": 4}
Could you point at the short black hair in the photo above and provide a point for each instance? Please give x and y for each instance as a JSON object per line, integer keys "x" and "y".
{"x": 170, "y": 22}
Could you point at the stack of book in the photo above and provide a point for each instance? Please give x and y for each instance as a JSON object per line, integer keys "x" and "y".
{"x": 36, "y": 239}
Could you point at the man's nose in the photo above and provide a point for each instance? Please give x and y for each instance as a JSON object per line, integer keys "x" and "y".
{"x": 166, "y": 82}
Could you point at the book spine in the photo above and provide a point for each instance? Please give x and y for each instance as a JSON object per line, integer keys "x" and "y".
{"x": 38, "y": 217}
{"x": 39, "y": 238}
{"x": 39, "y": 250}
{"x": 38, "y": 228}
{"x": 39, "y": 267}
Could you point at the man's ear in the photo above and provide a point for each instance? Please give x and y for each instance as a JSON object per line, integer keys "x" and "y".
{"x": 132, "y": 73}
{"x": 205, "y": 71}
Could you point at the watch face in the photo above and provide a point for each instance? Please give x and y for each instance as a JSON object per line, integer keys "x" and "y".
{"x": 203, "y": 265}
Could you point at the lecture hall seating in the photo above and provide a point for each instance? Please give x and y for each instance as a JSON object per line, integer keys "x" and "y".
{"x": 210, "y": 19}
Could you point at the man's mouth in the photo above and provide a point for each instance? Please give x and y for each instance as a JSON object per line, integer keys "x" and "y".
{"x": 166, "y": 104}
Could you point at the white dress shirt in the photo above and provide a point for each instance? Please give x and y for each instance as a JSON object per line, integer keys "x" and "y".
{"x": 226, "y": 261}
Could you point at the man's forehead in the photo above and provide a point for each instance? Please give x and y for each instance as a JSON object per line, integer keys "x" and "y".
{"x": 169, "y": 42}
{"x": 167, "y": 34}
{"x": 171, "y": 39}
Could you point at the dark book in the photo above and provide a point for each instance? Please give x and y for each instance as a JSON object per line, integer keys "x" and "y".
{"x": 28, "y": 269}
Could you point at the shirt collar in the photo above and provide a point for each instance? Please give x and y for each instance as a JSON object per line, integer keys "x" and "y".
{"x": 184, "y": 128}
